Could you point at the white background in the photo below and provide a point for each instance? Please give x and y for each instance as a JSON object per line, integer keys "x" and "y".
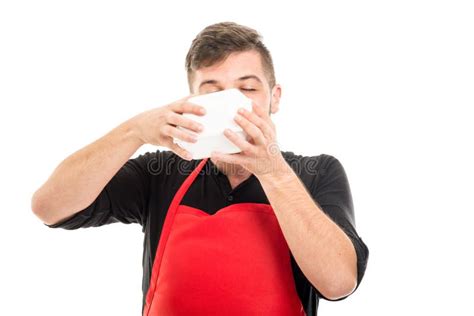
{"x": 384, "y": 86}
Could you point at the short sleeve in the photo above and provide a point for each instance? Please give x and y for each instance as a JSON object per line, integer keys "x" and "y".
{"x": 332, "y": 192}
{"x": 124, "y": 199}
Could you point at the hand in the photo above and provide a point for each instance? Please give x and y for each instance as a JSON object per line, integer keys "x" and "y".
{"x": 260, "y": 153}
{"x": 159, "y": 126}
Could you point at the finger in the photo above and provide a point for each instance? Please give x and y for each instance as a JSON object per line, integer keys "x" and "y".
{"x": 180, "y": 120}
{"x": 239, "y": 141}
{"x": 261, "y": 112}
{"x": 250, "y": 129}
{"x": 178, "y": 150}
{"x": 261, "y": 123}
{"x": 175, "y": 132}
{"x": 188, "y": 107}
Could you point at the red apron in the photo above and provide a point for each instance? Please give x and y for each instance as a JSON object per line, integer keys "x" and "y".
{"x": 235, "y": 262}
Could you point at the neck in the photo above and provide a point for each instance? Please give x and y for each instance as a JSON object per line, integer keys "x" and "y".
{"x": 234, "y": 172}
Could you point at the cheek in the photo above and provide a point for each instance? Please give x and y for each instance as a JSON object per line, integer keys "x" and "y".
{"x": 261, "y": 100}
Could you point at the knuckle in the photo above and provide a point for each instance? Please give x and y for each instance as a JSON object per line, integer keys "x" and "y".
{"x": 178, "y": 105}
{"x": 165, "y": 129}
{"x": 168, "y": 116}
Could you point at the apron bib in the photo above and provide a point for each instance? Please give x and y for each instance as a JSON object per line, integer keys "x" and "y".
{"x": 234, "y": 262}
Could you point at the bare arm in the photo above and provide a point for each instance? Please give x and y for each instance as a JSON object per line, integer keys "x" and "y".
{"x": 322, "y": 247}
{"x": 323, "y": 251}
{"x": 79, "y": 178}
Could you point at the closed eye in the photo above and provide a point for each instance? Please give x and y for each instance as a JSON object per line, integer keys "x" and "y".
{"x": 248, "y": 89}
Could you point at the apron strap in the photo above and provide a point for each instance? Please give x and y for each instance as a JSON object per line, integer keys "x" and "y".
{"x": 170, "y": 215}
{"x": 185, "y": 186}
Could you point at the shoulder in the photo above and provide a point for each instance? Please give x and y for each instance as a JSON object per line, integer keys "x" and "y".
{"x": 318, "y": 173}
{"x": 164, "y": 162}
{"x": 311, "y": 166}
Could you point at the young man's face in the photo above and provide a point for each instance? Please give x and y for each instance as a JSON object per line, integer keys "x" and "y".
{"x": 241, "y": 70}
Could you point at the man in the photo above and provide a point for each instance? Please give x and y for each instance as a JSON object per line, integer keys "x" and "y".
{"x": 261, "y": 232}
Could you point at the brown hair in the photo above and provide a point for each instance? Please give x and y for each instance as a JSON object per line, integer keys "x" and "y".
{"x": 217, "y": 41}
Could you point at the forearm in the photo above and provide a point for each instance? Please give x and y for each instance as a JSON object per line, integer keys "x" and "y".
{"x": 322, "y": 250}
{"x": 79, "y": 178}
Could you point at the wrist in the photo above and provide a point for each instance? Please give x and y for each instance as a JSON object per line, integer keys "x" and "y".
{"x": 279, "y": 174}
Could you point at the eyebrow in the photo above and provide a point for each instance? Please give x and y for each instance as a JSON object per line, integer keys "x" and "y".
{"x": 212, "y": 81}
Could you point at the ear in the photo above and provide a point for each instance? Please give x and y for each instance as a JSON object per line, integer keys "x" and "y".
{"x": 275, "y": 98}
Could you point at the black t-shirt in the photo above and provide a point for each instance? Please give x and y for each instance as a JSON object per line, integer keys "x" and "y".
{"x": 142, "y": 190}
